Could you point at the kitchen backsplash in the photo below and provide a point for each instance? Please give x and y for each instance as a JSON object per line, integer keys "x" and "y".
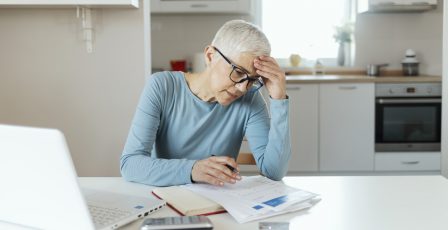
{"x": 384, "y": 38}
{"x": 178, "y": 36}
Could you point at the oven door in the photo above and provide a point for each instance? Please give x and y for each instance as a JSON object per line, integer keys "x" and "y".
{"x": 407, "y": 124}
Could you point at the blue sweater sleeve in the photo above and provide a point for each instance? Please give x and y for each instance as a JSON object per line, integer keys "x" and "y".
{"x": 269, "y": 137}
{"x": 136, "y": 163}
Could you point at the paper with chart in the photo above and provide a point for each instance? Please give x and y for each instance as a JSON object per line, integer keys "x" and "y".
{"x": 256, "y": 197}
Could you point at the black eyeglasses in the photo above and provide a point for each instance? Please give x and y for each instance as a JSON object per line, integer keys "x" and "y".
{"x": 239, "y": 75}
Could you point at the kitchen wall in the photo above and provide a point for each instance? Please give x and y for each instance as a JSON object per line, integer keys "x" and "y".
{"x": 384, "y": 38}
{"x": 47, "y": 78}
{"x": 380, "y": 38}
{"x": 180, "y": 36}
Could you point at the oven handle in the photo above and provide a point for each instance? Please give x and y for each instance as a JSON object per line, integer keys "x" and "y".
{"x": 409, "y": 101}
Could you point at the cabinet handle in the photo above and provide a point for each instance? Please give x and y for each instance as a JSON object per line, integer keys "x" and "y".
{"x": 386, "y": 101}
{"x": 347, "y": 87}
{"x": 410, "y": 162}
{"x": 198, "y": 5}
{"x": 420, "y": 3}
{"x": 386, "y": 3}
{"x": 293, "y": 88}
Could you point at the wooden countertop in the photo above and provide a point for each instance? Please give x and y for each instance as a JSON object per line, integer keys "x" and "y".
{"x": 291, "y": 79}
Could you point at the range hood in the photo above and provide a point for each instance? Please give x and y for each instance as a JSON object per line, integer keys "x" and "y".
{"x": 396, "y": 6}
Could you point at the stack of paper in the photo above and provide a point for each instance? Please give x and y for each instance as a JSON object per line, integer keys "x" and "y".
{"x": 256, "y": 197}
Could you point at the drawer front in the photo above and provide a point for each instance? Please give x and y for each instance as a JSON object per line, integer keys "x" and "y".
{"x": 398, "y": 161}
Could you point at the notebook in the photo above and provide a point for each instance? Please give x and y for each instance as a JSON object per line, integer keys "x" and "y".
{"x": 40, "y": 188}
{"x": 186, "y": 202}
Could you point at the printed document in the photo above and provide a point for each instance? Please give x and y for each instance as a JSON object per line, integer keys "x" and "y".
{"x": 256, "y": 197}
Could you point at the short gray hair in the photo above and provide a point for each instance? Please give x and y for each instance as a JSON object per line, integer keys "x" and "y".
{"x": 238, "y": 36}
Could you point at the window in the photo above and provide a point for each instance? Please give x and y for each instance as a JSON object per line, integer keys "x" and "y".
{"x": 305, "y": 27}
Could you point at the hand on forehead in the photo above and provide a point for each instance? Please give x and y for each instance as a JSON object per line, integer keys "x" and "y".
{"x": 246, "y": 62}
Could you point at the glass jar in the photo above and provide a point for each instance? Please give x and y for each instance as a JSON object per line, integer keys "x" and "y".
{"x": 410, "y": 69}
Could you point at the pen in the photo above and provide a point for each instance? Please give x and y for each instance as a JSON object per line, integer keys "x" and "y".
{"x": 230, "y": 167}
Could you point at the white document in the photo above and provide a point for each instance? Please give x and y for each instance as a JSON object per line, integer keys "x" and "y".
{"x": 256, "y": 197}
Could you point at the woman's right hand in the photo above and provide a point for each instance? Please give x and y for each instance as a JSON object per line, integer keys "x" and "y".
{"x": 213, "y": 170}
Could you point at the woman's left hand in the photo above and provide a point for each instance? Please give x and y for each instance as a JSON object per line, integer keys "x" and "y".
{"x": 273, "y": 76}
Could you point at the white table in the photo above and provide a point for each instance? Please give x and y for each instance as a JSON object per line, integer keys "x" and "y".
{"x": 349, "y": 202}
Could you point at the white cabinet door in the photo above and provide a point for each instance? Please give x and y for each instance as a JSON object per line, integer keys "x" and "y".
{"x": 396, "y": 5}
{"x": 303, "y": 118}
{"x": 201, "y": 6}
{"x": 346, "y": 130}
{"x": 403, "y": 2}
{"x": 407, "y": 161}
{"x": 69, "y": 3}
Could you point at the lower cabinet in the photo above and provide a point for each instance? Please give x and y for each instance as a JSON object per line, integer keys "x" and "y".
{"x": 304, "y": 123}
{"x": 332, "y": 127}
{"x": 346, "y": 127}
{"x": 407, "y": 161}
{"x": 304, "y": 127}
{"x": 332, "y": 130}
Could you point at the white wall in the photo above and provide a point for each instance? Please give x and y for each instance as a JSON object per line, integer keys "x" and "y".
{"x": 384, "y": 38}
{"x": 180, "y": 36}
{"x": 48, "y": 79}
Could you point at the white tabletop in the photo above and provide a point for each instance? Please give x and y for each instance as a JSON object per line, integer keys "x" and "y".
{"x": 349, "y": 202}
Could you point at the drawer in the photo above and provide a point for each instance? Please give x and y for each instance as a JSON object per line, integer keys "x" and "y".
{"x": 407, "y": 161}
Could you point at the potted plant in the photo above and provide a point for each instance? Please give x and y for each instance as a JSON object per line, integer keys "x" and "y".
{"x": 343, "y": 36}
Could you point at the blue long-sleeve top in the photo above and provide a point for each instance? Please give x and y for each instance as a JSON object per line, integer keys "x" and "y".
{"x": 172, "y": 128}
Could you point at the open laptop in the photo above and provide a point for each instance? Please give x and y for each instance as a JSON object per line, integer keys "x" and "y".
{"x": 39, "y": 187}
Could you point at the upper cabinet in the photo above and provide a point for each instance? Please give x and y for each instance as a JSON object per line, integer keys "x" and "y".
{"x": 396, "y": 5}
{"x": 69, "y": 3}
{"x": 201, "y": 6}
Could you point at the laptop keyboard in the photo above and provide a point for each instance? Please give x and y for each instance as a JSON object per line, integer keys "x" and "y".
{"x": 106, "y": 216}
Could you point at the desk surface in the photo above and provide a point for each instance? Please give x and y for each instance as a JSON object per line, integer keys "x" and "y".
{"x": 349, "y": 202}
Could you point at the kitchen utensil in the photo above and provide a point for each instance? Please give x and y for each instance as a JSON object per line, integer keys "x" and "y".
{"x": 410, "y": 63}
{"x": 374, "y": 69}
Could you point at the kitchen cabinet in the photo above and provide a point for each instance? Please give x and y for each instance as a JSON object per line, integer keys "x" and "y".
{"x": 402, "y": 2}
{"x": 303, "y": 121}
{"x": 407, "y": 161}
{"x": 82, "y": 8}
{"x": 69, "y": 3}
{"x": 332, "y": 131}
{"x": 396, "y": 5}
{"x": 346, "y": 127}
{"x": 201, "y": 6}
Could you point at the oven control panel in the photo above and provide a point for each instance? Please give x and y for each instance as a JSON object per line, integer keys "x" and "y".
{"x": 408, "y": 89}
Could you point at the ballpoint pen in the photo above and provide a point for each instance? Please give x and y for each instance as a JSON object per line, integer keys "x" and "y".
{"x": 234, "y": 170}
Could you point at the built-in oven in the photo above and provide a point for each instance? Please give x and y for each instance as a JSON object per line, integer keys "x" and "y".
{"x": 408, "y": 117}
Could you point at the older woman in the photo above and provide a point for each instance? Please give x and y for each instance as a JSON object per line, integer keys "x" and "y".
{"x": 189, "y": 127}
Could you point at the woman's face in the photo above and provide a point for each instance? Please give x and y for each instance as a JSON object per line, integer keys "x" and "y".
{"x": 224, "y": 89}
